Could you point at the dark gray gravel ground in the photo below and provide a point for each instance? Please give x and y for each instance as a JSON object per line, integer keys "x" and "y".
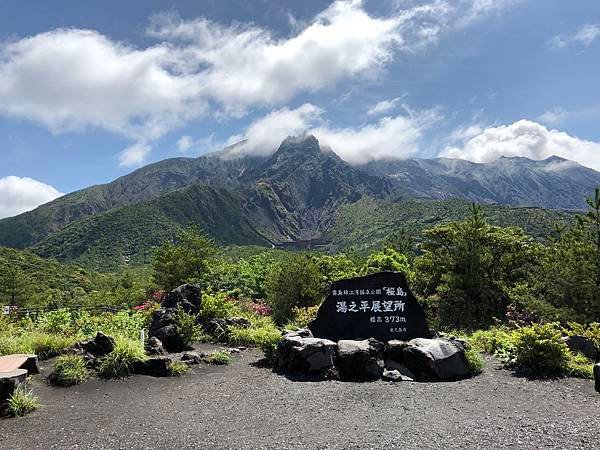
{"x": 246, "y": 406}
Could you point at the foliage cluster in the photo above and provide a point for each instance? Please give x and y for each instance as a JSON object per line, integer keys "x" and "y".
{"x": 22, "y": 401}
{"x": 69, "y": 370}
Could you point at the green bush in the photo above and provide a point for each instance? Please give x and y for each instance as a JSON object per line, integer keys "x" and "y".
{"x": 219, "y": 358}
{"x": 497, "y": 341}
{"x": 261, "y": 332}
{"x": 69, "y": 370}
{"x": 178, "y": 368}
{"x": 475, "y": 360}
{"x": 22, "y": 401}
{"x": 120, "y": 362}
{"x": 295, "y": 282}
{"x": 188, "y": 331}
{"x": 540, "y": 348}
{"x": 217, "y": 306}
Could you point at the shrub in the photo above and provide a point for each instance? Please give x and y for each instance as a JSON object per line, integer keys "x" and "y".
{"x": 22, "y": 401}
{"x": 540, "y": 348}
{"x": 302, "y": 316}
{"x": 495, "y": 341}
{"x": 69, "y": 370}
{"x": 217, "y": 306}
{"x": 579, "y": 366}
{"x": 260, "y": 333}
{"x": 219, "y": 358}
{"x": 475, "y": 360}
{"x": 295, "y": 282}
{"x": 188, "y": 331}
{"x": 178, "y": 368}
{"x": 120, "y": 362}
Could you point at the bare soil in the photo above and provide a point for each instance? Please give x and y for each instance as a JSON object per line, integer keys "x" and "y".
{"x": 245, "y": 405}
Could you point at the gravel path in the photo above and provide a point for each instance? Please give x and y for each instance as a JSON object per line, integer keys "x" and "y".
{"x": 246, "y": 406}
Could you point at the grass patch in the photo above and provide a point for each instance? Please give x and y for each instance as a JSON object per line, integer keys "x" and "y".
{"x": 219, "y": 358}
{"x": 69, "y": 370}
{"x": 21, "y": 402}
{"x": 178, "y": 368}
{"x": 119, "y": 363}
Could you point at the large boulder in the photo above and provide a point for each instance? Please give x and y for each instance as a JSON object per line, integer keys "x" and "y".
{"x": 164, "y": 328}
{"x": 437, "y": 359}
{"x": 305, "y": 354}
{"x": 360, "y": 360}
{"x": 597, "y": 376}
{"x": 583, "y": 345}
{"x": 101, "y": 345}
{"x": 158, "y": 366}
{"x": 187, "y": 296}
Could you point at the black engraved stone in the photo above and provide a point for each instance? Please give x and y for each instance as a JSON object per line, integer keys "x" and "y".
{"x": 380, "y": 306}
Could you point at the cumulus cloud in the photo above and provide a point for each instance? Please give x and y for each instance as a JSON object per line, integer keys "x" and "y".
{"x": 18, "y": 195}
{"x": 528, "y": 139}
{"x": 584, "y": 36}
{"x": 383, "y": 106}
{"x": 389, "y": 138}
{"x": 72, "y": 79}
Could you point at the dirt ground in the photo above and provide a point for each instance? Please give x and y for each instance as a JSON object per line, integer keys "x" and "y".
{"x": 245, "y": 405}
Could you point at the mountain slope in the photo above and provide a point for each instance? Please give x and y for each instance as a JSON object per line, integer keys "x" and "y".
{"x": 127, "y": 235}
{"x": 552, "y": 183}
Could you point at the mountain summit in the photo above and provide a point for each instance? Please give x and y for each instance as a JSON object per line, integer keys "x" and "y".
{"x": 295, "y": 194}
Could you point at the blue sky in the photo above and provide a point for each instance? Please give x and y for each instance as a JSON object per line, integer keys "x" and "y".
{"x": 90, "y": 91}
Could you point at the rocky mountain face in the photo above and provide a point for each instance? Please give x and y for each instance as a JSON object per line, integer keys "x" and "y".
{"x": 554, "y": 183}
{"x": 294, "y": 195}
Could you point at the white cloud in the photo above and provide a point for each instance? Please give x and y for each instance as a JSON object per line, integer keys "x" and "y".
{"x": 389, "y": 138}
{"x": 134, "y": 155}
{"x": 264, "y": 135}
{"x": 553, "y": 116}
{"x": 184, "y": 143}
{"x": 18, "y": 195}
{"x": 383, "y": 106}
{"x": 584, "y": 36}
{"x": 72, "y": 79}
{"x": 528, "y": 139}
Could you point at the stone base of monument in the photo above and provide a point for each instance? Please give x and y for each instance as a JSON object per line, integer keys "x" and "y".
{"x": 300, "y": 354}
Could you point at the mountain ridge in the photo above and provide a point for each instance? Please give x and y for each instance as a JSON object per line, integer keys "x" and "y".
{"x": 292, "y": 195}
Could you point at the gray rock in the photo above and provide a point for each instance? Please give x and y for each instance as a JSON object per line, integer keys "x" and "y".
{"x": 583, "y": 345}
{"x": 392, "y": 375}
{"x": 159, "y": 366}
{"x": 393, "y": 350}
{"x": 30, "y": 364}
{"x": 306, "y": 355}
{"x": 191, "y": 358}
{"x": 164, "y": 328}
{"x": 187, "y": 296}
{"x": 360, "y": 360}
{"x": 101, "y": 345}
{"x": 154, "y": 346}
{"x": 406, "y": 374}
{"x": 597, "y": 377}
{"x": 439, "y": 359}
